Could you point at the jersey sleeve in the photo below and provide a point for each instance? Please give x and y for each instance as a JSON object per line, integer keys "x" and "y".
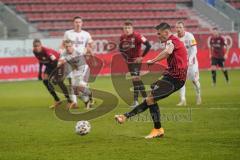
{"x": 141, "y": 38}
{"x": 52, "y": 54}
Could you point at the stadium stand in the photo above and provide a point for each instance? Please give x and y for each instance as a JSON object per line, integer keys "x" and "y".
{"x": 103, "y": 16}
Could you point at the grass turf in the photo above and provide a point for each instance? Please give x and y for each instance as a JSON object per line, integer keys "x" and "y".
{"x": 29, "y": 130}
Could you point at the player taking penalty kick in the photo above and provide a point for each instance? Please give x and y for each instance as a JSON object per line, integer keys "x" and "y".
{"x": 174, "y": 78}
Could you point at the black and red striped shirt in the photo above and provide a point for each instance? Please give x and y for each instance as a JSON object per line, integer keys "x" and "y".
{"x": 177, "y": 60}
{"x": 130, "y": 45}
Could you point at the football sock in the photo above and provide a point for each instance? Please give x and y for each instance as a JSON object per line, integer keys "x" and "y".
{"x": 182, "y": 93}
{"x": 65, "y": 91}
{"x": 138, "y": 109}
{"x": 50, "y": 89}
{"x": 197, "y": 87}
{"x": 155, "y": 114}
{"x": 214, "y": 75}
{"x": 142, "y": 89}
{"x": 135, "y": 90}
{"x": 226, "y": 75}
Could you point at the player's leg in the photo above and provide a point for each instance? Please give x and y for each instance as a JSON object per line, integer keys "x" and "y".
{"x": 59, "y": 74}
{"x": 69, "y": 77}
{"x": 197, "y": 88}
{"x": 138, "y": 85}
{"x": 50, "y": 87}
{"x": 224, "y": 70}
{"x": 194, "y": 77}
{"x": 72, "y": 95}
{"x": 141, "y": 86}
{"x": 182, "y": 97}
{"x": 81, "y": 84}
{"x": 160, "y": 89}
{"x": 213, "y": 71}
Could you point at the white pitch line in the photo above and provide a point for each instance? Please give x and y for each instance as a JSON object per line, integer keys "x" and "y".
{"x": 209, "y": 108}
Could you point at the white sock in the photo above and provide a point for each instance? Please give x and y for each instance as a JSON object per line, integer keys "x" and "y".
{"x": 197, "y": 87}
{"x": 182, "y": 93}
{"x": 73, "y": 98}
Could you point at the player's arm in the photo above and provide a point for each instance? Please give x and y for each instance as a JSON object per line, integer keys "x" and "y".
{"x": 164, "y": 54}
{"x": 62, "y": 48}
{"x": 192, "y": 55}
{"x": 193, "y": 50}
{"x": 227, "y": 50}
{"x": 40, "y": 71}
{"x": 52, "y": 57}
{"x": 89, "y": 47}
{"x": 210, "y": 50}
{"x": 148, "y": 46}
{"x": 61, "y": 62}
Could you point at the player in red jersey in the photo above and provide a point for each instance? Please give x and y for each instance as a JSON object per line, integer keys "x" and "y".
{"x": 173, "y": 79}
{"x": 218, "y": 54}
{"x": 49, "y": 58}
{"x": 130, "y": 47}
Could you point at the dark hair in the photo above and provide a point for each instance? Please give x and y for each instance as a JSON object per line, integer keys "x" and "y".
{"x": 215, "y": 28}
{"x": 37, "y": 41}
{"x": 76, "y": 17}
{"x": 180, "y": 22}
{"x": 128, "y": 23}
{"x": 68, "y": 41}
{"x": 163, "y": 26}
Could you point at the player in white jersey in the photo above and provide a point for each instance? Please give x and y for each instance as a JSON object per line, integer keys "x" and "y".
{"x": 193, "y": 73}
{"x": 81, "y": 40}
{"x": 80, "y": 71}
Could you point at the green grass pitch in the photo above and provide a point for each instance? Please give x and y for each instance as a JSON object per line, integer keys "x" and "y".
{"x": 29, "y": 130}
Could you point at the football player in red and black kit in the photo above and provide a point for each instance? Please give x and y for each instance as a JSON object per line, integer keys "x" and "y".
{"x": 49, "y": 58}
{"x": 173, "y": 79}
{"x": 218, "y": 54}
{"x": 130, "y": 47}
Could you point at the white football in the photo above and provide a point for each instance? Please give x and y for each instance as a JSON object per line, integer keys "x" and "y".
{"x": 82, "y": 127}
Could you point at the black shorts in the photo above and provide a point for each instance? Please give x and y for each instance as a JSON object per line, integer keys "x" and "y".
{"x": 218, "y": 62}
{"x": 49, "y": 69}
{"x": 134, "y": 68}
{"x": 165, "y": 87}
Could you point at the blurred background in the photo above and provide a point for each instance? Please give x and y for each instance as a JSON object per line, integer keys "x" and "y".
{"x": 23, "y": 20}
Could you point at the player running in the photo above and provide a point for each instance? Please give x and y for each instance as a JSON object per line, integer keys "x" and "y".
{"x": 49, "y": 58}
{"x": 79, "y": 70}
{"x": 193, "y": 73}
{"x": 130, "y": 48}
{"x": 218, "y": 54}
{"x": 81, "y": 40}
{"x": 174, "y": 78}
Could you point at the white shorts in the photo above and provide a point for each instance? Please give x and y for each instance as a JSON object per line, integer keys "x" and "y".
{"x": 80, "y": 77}
{"x": 193, "y": 73}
